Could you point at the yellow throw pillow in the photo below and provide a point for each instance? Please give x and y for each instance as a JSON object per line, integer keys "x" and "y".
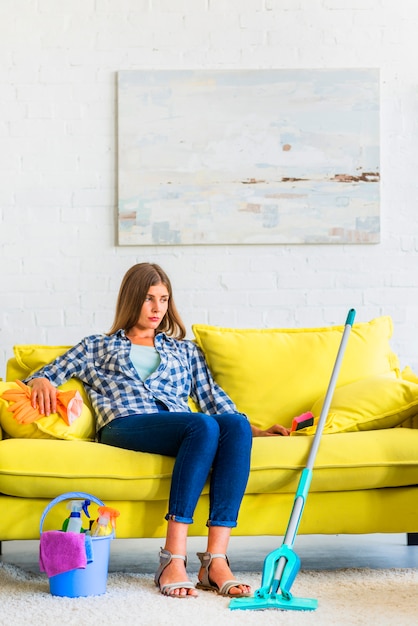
{"x": 29, "y": 358}
{"x": 368, "y": 404}
{"x": 275, "y": 374}
{"x": 51, "y": 426}
{"x": 409, "y": 374}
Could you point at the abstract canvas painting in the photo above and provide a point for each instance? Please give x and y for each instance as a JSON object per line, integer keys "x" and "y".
{"x": 248, "y": 157}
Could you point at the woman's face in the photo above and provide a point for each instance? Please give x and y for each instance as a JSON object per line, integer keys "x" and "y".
{"x": 154, "y": 308}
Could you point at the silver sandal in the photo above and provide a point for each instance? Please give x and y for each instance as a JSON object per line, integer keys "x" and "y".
{"x": 165, "y": 559}
{"x": 207, "y": 585}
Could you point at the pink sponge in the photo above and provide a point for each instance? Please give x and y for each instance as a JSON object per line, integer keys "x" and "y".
{"x": 302, "y": 421}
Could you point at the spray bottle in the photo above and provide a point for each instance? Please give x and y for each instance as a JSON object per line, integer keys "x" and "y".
{"x": 73, "y": 521}
{"x": 105, "y": 523}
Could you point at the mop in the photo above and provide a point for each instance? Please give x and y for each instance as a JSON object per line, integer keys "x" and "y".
{"x": 282, "y": 565}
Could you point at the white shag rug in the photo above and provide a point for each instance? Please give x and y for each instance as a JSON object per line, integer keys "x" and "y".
{"x": 349, "y": 596}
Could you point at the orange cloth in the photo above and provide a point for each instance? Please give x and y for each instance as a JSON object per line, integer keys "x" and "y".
{"x": 69, "y": 404}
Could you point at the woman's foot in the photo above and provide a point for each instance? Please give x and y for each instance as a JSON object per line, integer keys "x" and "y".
{"x": 171, "y": 577}
{"x": 215, "y": 575}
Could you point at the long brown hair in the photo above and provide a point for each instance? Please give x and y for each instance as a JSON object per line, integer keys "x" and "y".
{"x": 132, "y": 293}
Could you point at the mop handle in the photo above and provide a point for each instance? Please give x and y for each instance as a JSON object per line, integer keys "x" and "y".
{"x": 330, "y": 391}
{"x": 306, "y": 477}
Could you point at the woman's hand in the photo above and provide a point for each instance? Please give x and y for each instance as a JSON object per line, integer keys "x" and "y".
{"x": 43, "y": 396}
{"x": 273, "y": 431}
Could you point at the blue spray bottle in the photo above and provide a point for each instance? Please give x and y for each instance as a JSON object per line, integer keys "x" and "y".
{"x": 73, "y": 521}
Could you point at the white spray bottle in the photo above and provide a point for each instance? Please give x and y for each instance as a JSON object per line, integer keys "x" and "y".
{"x": 73, "y": 522}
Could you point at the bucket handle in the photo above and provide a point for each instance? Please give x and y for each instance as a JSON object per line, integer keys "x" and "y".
{"x": 71, "y": 495}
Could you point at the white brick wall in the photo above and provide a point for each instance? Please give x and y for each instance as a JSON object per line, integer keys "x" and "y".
{"x": 60, "y": 266}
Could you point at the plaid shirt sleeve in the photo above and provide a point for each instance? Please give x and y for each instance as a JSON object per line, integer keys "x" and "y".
{"x": 69, "y": 365}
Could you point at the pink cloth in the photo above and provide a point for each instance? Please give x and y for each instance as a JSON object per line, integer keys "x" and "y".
{"x": 61, "y": 552}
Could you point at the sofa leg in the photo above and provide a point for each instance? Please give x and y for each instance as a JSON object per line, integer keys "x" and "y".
{"x": 412, "y": 539}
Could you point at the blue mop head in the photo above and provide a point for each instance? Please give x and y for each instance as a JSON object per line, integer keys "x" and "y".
{"x": 274, "y": 602}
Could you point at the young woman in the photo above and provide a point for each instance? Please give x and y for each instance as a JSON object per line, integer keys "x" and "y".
{"x": 139, "y": 378}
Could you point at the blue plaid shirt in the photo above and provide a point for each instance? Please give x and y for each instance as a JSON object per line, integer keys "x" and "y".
{"x": 115, "y": 389}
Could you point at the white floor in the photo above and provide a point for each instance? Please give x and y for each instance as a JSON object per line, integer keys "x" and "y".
{"x": 248, "y": 553}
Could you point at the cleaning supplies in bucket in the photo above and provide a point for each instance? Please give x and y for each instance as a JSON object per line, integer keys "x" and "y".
{"x": 105, "y": 523}
{"x": 73, "y": 522}
{"x": 76, "y": 562}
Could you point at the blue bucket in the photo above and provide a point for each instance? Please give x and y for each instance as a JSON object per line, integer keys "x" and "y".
{"x": 88, "y": 581}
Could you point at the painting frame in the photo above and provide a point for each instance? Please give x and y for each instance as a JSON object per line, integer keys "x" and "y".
{"x": 230, "y": 157}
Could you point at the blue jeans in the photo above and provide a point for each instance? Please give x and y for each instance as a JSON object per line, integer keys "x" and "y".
{"x": 200, "y": 443}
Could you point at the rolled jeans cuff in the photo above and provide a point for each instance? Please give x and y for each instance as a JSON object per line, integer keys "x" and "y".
{"x": 225, "y": 524}
{"x": 178, "y": 518}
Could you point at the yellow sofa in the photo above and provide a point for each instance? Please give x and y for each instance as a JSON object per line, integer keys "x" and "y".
{"x": 366, "y": 472}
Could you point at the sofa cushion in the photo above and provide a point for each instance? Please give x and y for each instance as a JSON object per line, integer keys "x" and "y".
{"x": 51, "y": 426}
{"x": 344, "y": 462}
{"x": 349, "y": 461}
{"x": 275, "y": 374}
{"x": 367, "y": 404}
{"x": 44, "y": 468}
